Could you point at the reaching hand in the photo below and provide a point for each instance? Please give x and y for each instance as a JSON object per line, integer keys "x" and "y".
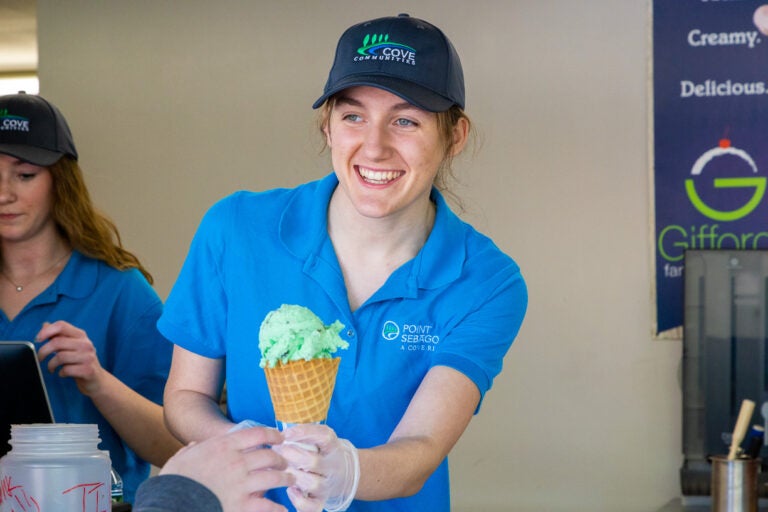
{"x": 238, "y": 467}
{"x": 73, "y": 355}
{"x": 326, "y": 468}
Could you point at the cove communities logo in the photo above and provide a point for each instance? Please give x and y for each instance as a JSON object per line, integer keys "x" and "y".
{"x": 10, "y": 122}
{"x": 379, "y": 47}
{"x": 747, "y": 193}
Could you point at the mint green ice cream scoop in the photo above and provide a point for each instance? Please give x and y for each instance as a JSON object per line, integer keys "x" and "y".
{"x": 292, "y": 333}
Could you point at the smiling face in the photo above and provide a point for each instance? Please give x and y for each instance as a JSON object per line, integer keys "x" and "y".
{"x": 385, "y": 151}
{"x": 25, "y": 200}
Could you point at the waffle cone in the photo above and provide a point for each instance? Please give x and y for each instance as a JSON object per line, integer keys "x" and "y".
{"x": 301, "y": 390}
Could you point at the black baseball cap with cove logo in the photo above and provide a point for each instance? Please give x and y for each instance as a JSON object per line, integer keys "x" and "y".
{"x": 406, "y": 56}
{"x": 34, "y": 130}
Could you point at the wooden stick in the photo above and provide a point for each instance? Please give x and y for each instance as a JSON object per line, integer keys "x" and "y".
{"x": 742, "y": 423}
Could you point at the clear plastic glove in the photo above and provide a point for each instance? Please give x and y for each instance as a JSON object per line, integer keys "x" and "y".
{"x": 326, "y": 468}
{"x": 246, "y": 424}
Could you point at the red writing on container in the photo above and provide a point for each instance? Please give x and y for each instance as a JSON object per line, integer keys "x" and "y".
{"x": 90, "y": 496}
{"x": 16, "y": 497}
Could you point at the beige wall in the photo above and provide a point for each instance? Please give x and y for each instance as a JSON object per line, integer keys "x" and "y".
{"x": 175, "y": 104}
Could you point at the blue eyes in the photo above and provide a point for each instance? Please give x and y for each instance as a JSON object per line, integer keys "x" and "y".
{"x": 400, "y": 122}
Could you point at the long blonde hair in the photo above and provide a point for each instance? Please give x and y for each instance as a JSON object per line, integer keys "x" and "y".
{"x": 81, "y": 224}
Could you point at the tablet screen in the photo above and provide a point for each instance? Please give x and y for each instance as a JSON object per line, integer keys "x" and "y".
{"x": 23, "y": 398}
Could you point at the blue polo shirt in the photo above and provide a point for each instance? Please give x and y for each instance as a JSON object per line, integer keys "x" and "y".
{"x": 459, "y": 303}
{"x": 118, "y": 310}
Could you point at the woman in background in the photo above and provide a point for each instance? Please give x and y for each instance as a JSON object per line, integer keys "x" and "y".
{"x": 67, "y": 283}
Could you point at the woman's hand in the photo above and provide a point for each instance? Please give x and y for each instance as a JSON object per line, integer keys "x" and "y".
{"x": 326, "y": 468}
{"x": 73, "y": 355}
{"x": 135, "y": 418}
{"x": 237, "y": 467}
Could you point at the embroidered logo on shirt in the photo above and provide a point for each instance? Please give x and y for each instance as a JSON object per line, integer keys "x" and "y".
{"x": 412, "y": 336}
{"x": 390, "y": 331}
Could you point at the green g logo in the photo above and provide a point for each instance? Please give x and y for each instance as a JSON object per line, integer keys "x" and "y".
{"x": 756, "y": 183}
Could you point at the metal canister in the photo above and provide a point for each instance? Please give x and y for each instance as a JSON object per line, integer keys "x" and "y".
{"x": 734, "y": 484}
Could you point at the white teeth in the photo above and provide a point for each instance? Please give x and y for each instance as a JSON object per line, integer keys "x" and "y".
{"x": 378, "y": 177}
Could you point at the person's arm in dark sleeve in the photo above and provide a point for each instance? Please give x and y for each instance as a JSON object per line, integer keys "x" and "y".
{"x": 174, "y": 493}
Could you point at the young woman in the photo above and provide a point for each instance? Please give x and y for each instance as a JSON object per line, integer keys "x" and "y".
{"x": 67, "y": 283}
{"x": 430, "y": 306}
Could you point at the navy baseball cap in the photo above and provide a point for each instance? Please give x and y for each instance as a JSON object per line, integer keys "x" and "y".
{"x": 33, "y": 130}
{"x": 400, "y": 54}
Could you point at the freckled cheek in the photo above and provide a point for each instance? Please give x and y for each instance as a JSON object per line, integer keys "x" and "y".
{"x": 341, "y": 158}
{"x": 427, "y": 159}
{"x": 345, "y": 148}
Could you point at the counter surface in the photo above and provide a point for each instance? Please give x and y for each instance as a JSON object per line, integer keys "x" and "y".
{"x": 702, "y": 504}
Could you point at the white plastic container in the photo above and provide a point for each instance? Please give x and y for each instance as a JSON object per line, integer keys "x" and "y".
{"x": 55, "y": 467}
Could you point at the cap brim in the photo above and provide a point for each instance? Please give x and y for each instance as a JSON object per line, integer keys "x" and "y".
{"x": 33, "y": 155}
{"x": 409, "y": 91}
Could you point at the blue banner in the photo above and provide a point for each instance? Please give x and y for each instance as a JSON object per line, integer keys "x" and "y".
{"x": 710, "y": 136}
